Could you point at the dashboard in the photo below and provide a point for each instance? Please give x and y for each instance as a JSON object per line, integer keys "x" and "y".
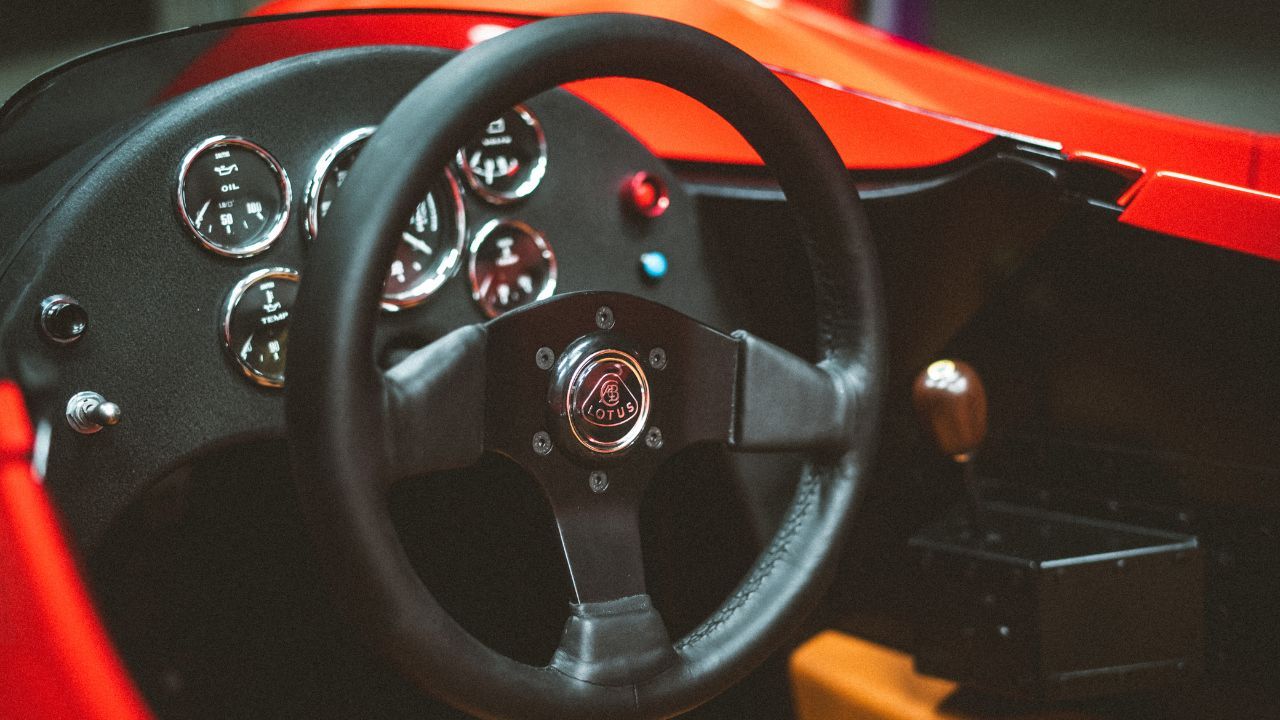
{"x": 181, "y": 246}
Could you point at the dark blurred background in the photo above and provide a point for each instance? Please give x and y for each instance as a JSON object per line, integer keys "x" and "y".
{"x": 1216, "y": 60}
{"x": 38, "y": 34}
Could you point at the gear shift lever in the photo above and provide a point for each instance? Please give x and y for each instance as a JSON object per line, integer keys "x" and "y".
{"x": 952, "y": 406}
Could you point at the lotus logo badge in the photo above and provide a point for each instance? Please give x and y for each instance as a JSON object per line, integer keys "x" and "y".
{"x": 608, "y": 401}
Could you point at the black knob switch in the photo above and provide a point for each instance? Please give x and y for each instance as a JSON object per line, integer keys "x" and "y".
{"x": 62, "y": 319}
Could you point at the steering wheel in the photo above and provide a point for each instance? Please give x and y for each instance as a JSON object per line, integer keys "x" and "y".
{"x": 588, "y": 392}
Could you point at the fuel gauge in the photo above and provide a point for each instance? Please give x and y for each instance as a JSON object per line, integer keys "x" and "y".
{"x": 233, "y": 196}
{"x": 511, "y": 265}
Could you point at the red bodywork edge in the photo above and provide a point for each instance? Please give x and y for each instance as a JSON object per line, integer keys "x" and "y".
{"x": 1214, "y": 213}
{"x": 56, "y": 661}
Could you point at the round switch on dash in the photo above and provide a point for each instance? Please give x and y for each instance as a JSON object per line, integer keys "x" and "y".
{"x": 653, "y": 266}
{"x": 646, "y": 195}
{"x": 62, "y": 319}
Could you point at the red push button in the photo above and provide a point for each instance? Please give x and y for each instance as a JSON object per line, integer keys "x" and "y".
{"x": 646, "y": 195}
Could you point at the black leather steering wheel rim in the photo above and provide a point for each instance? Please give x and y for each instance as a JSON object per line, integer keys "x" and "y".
{"x": 335, "y": 396}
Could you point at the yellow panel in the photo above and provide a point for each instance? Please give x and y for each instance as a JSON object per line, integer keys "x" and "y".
{"x": 840, "y": 677}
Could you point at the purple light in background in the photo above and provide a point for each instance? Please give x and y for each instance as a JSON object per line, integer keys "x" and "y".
{"x": 905, "y": 18}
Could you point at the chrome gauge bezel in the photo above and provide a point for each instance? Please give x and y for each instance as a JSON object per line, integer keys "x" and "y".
{"x": 539, "y": 239}
{"x": 228, "y": 307}
{"x": 449, "y": 263}
{"x": 316, "y": 183}
{"x": 272, "y": 234}
{"x": 524, "y": 189}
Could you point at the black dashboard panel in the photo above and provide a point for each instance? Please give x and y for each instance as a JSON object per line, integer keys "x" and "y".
{"x": 155, "y": 297}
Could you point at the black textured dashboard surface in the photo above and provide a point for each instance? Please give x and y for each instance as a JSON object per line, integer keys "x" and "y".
{"x": 155, "y": 297}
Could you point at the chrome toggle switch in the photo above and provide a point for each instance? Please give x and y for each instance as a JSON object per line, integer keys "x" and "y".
{"x": 88, "y": 412}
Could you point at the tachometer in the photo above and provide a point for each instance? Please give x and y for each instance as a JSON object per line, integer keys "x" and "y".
{"x": 431, "y": 242}
{"x": 233, "y": 196}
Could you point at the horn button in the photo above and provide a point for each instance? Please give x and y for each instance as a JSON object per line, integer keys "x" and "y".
{"x": 602, "y": 394}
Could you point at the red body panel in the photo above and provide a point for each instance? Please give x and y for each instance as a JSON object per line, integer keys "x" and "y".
{"x": 56, "y": 661}
{"x": 807, "y": 40}
{"x": 868, "y": 132}
{"x": 1266, "y": 167}
{"x": 1209, "y": 212}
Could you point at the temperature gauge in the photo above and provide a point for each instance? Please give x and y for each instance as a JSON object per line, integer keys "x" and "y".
{"x": 233, "y": 196}
{"x": 255, "y": 327}
{"x": 511, "y": 265}
{"x": 431, "y": 242}
{"x": 506, "y": 161}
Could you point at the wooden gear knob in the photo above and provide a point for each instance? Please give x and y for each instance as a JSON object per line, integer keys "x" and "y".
{"x": 952, "y": 405}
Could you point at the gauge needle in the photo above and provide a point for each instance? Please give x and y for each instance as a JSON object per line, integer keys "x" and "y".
{"x": 416, "y": 244}
{"x": 200, "y": 215}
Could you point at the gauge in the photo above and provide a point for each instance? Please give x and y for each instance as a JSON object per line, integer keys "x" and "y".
{"x": 506, "y": 161}
{"x": 233, "y": 196}
{"x": 511, "y": 265}
{"x": 431, "y": 242}
{"x": 255, "y": 326}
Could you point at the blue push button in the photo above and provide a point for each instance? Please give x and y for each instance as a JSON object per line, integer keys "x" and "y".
{"x": 653, "y": 265}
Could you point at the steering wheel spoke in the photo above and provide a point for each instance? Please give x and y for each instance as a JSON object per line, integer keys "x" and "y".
{"x": 598, "y": 519}
{"x": 614, "y": 635}
{"x": 785, "y": 403}
{"x": 434, "y": 405}
{"x": 614, "y": 643}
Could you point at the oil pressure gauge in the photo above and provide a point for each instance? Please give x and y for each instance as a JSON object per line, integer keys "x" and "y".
{"x": 431, "y": 242}
{"x": 507, "y": 160}
{"x": 233, "y": 196}
{"x": 255, "y": 325}
{"x": 511, "y": 265}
